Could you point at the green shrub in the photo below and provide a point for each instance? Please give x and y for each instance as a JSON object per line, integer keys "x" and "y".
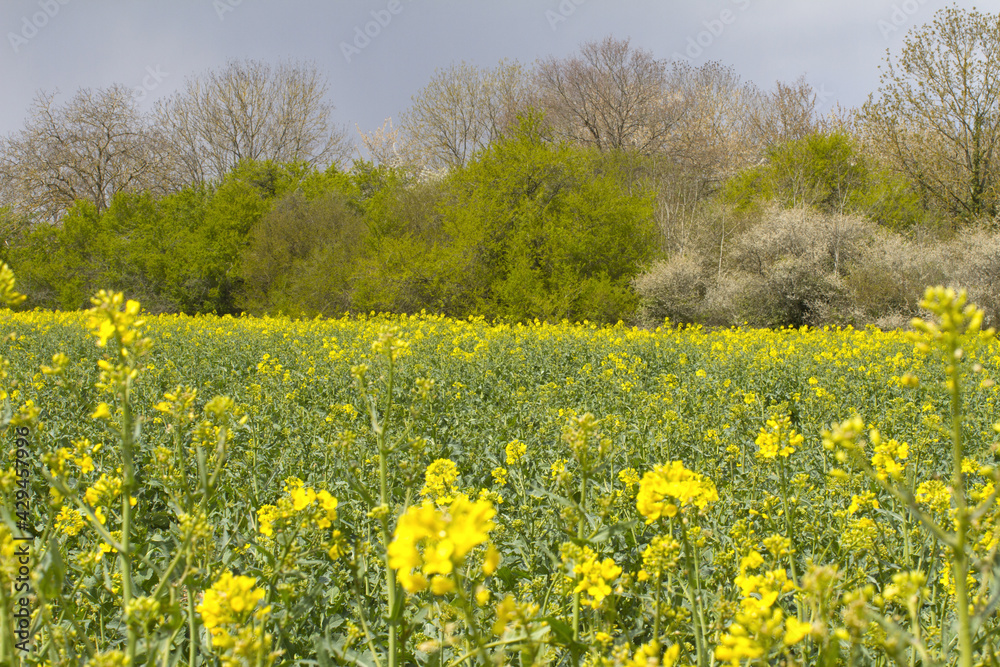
{"x": 301, "y": 256}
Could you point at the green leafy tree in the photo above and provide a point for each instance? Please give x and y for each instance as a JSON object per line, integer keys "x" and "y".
{"x": 57, "y": 265}
{"x": 302, "y": 255}
{"x": 246, "y": 194}
{"x": 399, "y": 268}
{"x": 544, "y": 230}
{"x": 828, "y": 172}
{"x": 177, "y": 253}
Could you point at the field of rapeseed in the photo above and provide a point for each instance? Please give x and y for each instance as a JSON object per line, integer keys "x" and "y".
{"x": 418, "y": 490}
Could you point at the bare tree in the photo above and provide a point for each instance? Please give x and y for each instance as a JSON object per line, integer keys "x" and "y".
{"x": 786, "y": 113}
{"x": 462, "y": 110}
{"x": 94, "y": 146}
{"x": 712, "y": 136}
{"x": 611, "y": 96}
{"x": 937, "y": 112}
{"x": 383, "y": 144}
{"x": 251, "y": 110}
{"x": 708, "y": 144}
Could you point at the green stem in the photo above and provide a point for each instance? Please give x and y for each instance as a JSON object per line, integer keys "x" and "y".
{"x": 128, "y": 483}
{"x": 789, "y": 533}
{"x": 694, "y": 597}
{"x": 656, "y": 608}
{"x": 364, "y": 624}
{"x": 383, "y": 475}
{"x": 960, "y": 561}
{"x": 470, "y": 617}
{"x": 501, "y": 642}
{"x": 192, "y": 629}
{"x": 580, "y": 534}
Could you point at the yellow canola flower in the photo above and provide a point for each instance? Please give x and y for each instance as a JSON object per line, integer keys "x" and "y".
{"x": 229, "y": 600}
{"x": 102, "y": 412}
{"x": 70, "y": 521}
{"x": 888, "y": 456}
{"x": 441, "y": 585}
{"x": 303, "y": 505}
{"x": 515, "y": 451}
{"x": 104, "y": 490}
{"x": 7, "y": 294}
{"x": 266, "y": 516}
{"x": 647, "y": 655}
{"x": 595, "y": 579}
{"x": 440, "y": 479}
{"x": 329, "y": 506}
{"x": 108, "y": 317}
{"x": 431, "y": 541}
{"x": 907, "y": 587}
{"x": 629, "y": 477}
{"x": 760, "y": 624}
{"x": 796, "y": 630}
{"x": 509, "y": 613}
{"x": 778, "y": 438}
{"x": 492, "y": 560}
{"x": 302, "y": 497}
{"x": 558, "y": 470}
{"x": 858, "y": 503}
{"x": 666, "y": 489}
{"x": 110, "y": 659}
{"x": 229, "y": 610}
{"x": 659, "y": 557}
{"x": 935, "y": 495}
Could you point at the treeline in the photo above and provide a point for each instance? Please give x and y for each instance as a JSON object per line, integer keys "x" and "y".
{"x": 605, "y": 185}
{"x": 531, "y": 228}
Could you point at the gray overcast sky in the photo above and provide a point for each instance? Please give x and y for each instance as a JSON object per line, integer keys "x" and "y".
{"x": 68, "y": 44}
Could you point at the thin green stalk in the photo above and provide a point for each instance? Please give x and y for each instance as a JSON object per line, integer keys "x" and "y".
{"x": 790, "y": 534}
{"x": 364, "y": 626}
{"x": 580, "y": 534}
{"x": 383, "y": 475}
{"x": 470, "y": 617}
{"x": 192, "y": 630}
{"x": 494, "y": 644}
{"x": 656, "y": 607}
{"x": 128, "y": 483}
{"x": 960, "y": 561}
{"x": 694, "y": 598}
{"x": 66, "y": 612}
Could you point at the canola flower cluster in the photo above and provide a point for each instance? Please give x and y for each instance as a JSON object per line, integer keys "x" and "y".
{"x": 778, "y": 438}
{"x": 591, "y": 574}
{"x": 300, "y": 509}
{"x": 666, "y": 490}
{"x": 760, "y": 623}
{"x": 231, "y": 613}
{"x": 430, "y": 544}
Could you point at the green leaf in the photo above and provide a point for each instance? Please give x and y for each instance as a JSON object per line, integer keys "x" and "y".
{"x": 51, "y": 571}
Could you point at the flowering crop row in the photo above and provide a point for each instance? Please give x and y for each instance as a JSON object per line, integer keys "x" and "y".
{"x": 420, "y": 490}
